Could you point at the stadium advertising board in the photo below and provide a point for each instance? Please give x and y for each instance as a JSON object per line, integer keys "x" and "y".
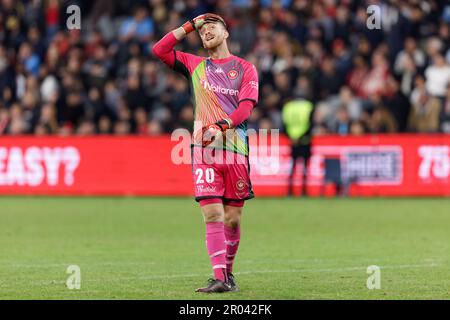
{"x": 381, "y": 165}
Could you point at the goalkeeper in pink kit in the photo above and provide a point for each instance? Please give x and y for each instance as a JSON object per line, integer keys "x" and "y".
{"x": 225, "y": 90}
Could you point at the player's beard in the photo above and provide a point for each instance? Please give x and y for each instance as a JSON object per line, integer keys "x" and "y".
{"x": 213, "y": 44}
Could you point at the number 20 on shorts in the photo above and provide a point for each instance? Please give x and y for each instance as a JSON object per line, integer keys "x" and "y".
{"x": 208, "y": 173}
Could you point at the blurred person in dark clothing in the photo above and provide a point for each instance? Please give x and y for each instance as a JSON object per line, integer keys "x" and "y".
{"x": 48, "y": 118}
{"x": 94, "y": 107}
{"x": 17, "y": 124}
{"x": 97, "y": 68}
{"x": 12, "y": 23}
{"x": 4, "y": 119}
{"x": 180, "y": 95}
{"x": 86, "y": 127}
{"x": 122, "y": 128}
{"x": 104, "y": 125}
{"x": 342, "y": 57}
{"x": 244, "y": 33}
{"x": 186, "y": 117}
{"x": 6, "y": 76}
{"x": 329, "y": 80}
{"x": 141, "y": 121}
{"x": 155, "y": 128}
{"x": 134, "y": 95}
{"x": 74, "y": 108}
{"x": 112, "y": 97}
{"x": 357, "y": 128}
{"x": 283, "y": 83}
{"x": 444, "y": 116}
{"x": 34, "y": 38}
{"x": 342, "y": 124}
{"x": 297, "y": 119}
{"x": 382, "y": 121}
{"x": 30, "y": 110}
{"x": 398, "y": 104}
{"x": 42, "y": 129}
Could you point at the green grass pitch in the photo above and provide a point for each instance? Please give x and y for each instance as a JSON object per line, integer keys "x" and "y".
{"x": 153, "y": 248}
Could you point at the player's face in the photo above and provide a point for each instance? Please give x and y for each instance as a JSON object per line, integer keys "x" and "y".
{"x": 213, "y": 34}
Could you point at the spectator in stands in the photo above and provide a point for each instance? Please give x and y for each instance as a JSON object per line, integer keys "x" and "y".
{"x": 139, "y": 27}
{"x": 357, "y": 128}
{"x": 376, "y": 78}
{"x": 378, "y": 117}
{"x": 52, "y": 11}
{"x": 343, "y": 58}
{"x": 397, "y": 104}
{"x": 17, "y": 124}
{"x": 28, "y": 58}
{"x": 342, "y": 124}
{"x": 357, "y": 75}
{"x": 437, "y": 76}
{"x": 4, "y": 119}
{"x": 382, "y": 121}
{"x": 329, "y": 79}
{"x": 444, "y": 117}
{"x": 412, "y": 53}
{"x": 47, "y": 118}
{"x": 424, "y": 116}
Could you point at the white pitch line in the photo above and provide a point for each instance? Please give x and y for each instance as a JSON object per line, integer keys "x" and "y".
{"x": 406, "y": 266}
{"x": 54, "y": 265}
{"x": 195, "y": 275}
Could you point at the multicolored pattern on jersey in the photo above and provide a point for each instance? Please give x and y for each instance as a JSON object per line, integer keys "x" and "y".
{"x": 218, "y": 86}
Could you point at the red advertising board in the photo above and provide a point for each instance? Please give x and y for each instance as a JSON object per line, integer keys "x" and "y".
{"x": 384, "y": 165}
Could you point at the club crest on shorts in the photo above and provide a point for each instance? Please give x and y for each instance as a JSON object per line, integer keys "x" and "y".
{"x": 232, "y": 74}
{"x": 240, "y": 184}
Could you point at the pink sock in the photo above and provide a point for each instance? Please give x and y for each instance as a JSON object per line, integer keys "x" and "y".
{"x": 215, "y": 242}
{"x": 232, "y": 236}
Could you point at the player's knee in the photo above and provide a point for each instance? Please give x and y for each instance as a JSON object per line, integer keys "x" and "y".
{"x": 213, "y": 216}
{"x": 213, "y": 213}
{"x": 233, "y": 217}
{"x": 232, "y": 222}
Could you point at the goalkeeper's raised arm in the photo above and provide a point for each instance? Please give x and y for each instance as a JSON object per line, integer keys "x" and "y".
{"x": 163, "y": 49}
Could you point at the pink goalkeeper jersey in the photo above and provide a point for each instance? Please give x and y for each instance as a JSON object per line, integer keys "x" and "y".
{"x": 218, "y": 86}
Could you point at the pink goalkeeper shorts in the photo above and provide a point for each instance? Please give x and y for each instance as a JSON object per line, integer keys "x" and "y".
{"x": 220, "y": 174}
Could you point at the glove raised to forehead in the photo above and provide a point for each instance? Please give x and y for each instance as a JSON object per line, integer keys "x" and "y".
{"x": 212, "y": 17}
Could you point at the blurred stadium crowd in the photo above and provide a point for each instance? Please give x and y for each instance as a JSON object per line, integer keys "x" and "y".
{"x": 103, "y": 79}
